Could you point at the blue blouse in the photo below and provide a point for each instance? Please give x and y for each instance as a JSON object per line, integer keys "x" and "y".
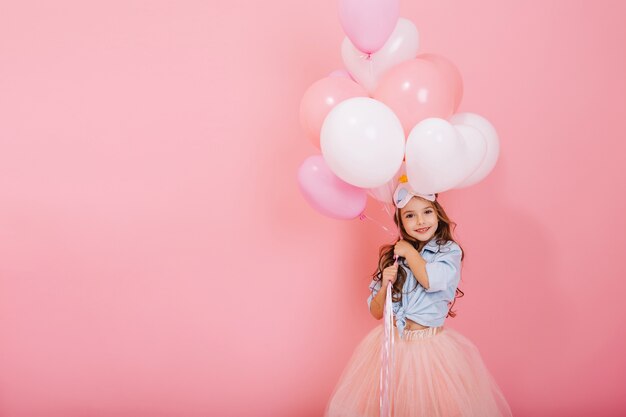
{"x": 427, "y": 307}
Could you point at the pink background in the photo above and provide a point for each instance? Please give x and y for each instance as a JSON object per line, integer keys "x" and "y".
{"x": 157, "y": 259}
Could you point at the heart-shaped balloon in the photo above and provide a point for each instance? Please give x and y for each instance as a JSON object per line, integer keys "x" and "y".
{"x": 492, "y": 143}
{"x": 328, "y": 194}
{"x": 439, "y": 156}
{"x": 402, "y": 45}
{"x": 475, "y": 148}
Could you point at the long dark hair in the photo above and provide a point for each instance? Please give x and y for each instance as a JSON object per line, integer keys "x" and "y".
{"x": 442, "y": 235}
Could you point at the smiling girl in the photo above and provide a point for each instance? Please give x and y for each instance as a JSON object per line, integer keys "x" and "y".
{"x": 437, "y": 371}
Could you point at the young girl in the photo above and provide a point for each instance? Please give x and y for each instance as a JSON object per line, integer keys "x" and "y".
{"x": 437, "y": 371}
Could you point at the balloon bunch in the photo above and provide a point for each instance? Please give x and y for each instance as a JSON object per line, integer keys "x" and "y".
{"x": 391, "y": 113}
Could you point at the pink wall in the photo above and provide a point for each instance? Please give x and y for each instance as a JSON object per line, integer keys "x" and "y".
{"x": 157, "y": 259}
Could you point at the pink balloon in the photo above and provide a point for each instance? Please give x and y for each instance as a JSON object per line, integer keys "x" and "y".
{"x": 321, "y": 98}
{"x": 416, "y": 90}
{"x": 328, "y": 194}
{"x": 341, "y": 73}
{"x": 368, "y": 23}
{"x": 452, "y": 74}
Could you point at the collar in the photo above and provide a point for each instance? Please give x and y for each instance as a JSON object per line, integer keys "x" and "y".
{"x": 431, "y": 245}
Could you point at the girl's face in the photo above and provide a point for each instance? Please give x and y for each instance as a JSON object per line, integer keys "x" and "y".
{"x": 419, "y": 219}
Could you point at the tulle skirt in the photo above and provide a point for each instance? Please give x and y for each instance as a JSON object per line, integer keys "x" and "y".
{"x": 437, "y": 373}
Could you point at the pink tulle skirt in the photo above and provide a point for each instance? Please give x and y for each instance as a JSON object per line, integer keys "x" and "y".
{"x": 437, "y": 373}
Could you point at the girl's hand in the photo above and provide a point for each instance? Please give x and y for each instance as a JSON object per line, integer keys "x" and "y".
{"x": 390, "y": 274}
{"x": 404, "y": 249}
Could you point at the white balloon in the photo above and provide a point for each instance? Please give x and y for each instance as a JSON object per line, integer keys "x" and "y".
{"x": 402, "y": 45}
{"x": 492, "y": 142}
{"x": 439, "y": 155}
{"x": 362, "y": 142}
{"x": 475, "y": 148}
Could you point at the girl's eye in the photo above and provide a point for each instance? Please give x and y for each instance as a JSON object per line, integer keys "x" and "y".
{"x": 408, "y": 216}
{"x": 428, "y": 211}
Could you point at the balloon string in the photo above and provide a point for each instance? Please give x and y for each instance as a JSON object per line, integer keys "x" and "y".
{"x": 364, "y": 216}
{"x": 368, "y": 58}
{"x": 387, "y": 355}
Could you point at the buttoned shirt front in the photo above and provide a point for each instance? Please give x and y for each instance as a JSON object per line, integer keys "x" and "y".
{"x": 428, "y": 307}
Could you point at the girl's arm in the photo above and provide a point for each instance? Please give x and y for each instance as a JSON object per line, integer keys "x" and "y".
{"x": 418, "y": 267}
{"x": 415, "y": 261}
{"x": 377, "y": 304}
{"x": 439, "y": 273}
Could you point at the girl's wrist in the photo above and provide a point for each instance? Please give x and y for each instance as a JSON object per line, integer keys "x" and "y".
{"x": 413, "y": 255}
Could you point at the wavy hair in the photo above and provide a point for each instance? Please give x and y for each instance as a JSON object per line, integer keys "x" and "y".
{"x": 442, "y": 235}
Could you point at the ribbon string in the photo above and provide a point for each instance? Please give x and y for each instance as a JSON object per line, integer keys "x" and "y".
{"x": 387, "y": 355}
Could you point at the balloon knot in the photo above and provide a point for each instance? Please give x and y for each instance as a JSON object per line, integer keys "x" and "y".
{"x": 362, "y": 217}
